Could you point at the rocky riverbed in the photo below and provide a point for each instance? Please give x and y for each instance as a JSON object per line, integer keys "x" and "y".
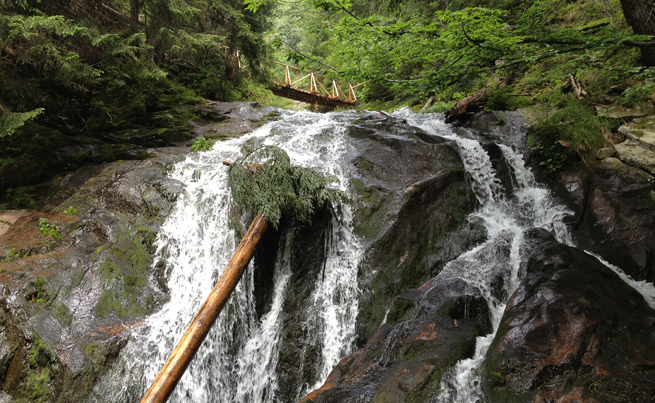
{"x": 73, "y": 286}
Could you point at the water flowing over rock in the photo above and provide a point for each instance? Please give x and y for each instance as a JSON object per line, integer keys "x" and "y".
{"x": 572, "y": 330}
{"x": 70, "y": 297}
{"x": 452, "y": 276}
{"x": 614, "y": 213}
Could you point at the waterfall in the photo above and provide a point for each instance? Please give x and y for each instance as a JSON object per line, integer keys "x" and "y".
{"x": 237, "y": 361}
{"x": 505, "y": 217}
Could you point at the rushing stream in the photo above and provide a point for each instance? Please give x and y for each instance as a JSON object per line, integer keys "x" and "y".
{"x": 506, "y": 217}
{"x": 238, "y": 360}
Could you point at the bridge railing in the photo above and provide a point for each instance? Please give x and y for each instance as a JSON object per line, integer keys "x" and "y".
{"x": 314, "y": 83}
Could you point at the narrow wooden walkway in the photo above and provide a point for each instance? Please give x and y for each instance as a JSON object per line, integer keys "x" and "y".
{"x": 308, "y": 88}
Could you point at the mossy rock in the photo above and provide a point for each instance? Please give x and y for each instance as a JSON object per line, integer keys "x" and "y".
{"x": 124, "y": 273}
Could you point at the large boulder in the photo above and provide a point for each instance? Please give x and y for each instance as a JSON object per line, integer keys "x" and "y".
{"x": 572, "y": 331}
{"x": 426, "y": 331}
{"x": 411, "y": 204}
{"x": 411, "y": 193}
{"x": 613, "y": 207}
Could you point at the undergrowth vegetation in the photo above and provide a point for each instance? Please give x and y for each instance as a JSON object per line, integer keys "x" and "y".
{"x": 566, "y": 58}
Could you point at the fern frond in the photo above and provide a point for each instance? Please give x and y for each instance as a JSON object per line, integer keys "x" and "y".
{"x": 11, "y": 121}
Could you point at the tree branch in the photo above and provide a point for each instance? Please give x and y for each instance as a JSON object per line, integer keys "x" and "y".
{"x": 310, "y": 58}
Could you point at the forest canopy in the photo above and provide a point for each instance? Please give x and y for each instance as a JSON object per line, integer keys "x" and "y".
{"x": 80, "y": 60}
{"x": 572, "y": 57}
{"x": 72, "y": 70}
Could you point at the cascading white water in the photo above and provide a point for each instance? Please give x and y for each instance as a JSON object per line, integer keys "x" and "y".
{"x": 237, "y": 361}
{"x": 497, "y": 260}
{"x": 499, "y": 257}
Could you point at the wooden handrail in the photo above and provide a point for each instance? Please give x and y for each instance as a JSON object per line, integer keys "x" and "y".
{"x": 181, "y": 357}
{"x": 315, "y": 86}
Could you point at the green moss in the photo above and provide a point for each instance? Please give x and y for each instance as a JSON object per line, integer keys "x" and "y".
{"x": 40, "y": 354}
{"x": 366, "y": 165}
{"x": 97, "y": 253}
{"x": 41, "y": 294}
{"x": 62, "y": 313}
{"x": 124, "y": 272}
{"x": 71, "y": 211}
{"x": 369, "y": 195}
{"x": 343, "y": 369}
{"x": 401, "y": 310}
{"x": 13, "y": 252}
{"x": 651, "y": 195}
{"x": 37, "y": 385}
{"x": 125, "y": 306}
{"x": 369, "y": 217}
{"x": 95, "y": 352}
{"x": 646, "y": 123}
{"x": 638, "y": 133}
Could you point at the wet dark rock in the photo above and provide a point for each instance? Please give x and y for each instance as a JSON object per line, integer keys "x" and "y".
{"x": 298, "y": 352}
{"x": 412, "y": 201}
{"x": 427, "y": 330}
{"x": 411, "y": 193}
{"x": 614, "y": 213}
{"x": 572, "y": 330}
{"x": 506, "y": 127}
{"x": 72, "y": 295}
{"x": 230, "y": 119}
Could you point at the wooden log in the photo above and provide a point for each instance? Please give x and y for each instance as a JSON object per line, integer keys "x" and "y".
{"x": 474, "y": 102}
{"x": 183, "y": 353}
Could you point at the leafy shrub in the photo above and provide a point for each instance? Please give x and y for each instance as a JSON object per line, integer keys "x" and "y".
{"x": 20, "y": 198}
{"x": 71, "y": 211}
{"x": 554, "y": 155}
{"x": 49, "y": 229}
{"x": 202, "y": 144}
{"x": 577, "y": 125}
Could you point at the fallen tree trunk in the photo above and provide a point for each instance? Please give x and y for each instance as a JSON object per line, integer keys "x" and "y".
{"x": 474, "y": 102}
{"x": 183, "y": 353}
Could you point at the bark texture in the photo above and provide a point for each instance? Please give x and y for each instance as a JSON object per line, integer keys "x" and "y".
{"x": 640, "y": 14}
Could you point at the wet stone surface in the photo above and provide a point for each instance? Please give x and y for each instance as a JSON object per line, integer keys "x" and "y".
{"x": 572, "y": 330}
{"x": 427, "y": 330}
{"x": 613, "y": 207}
{"x": 71, "y": 290}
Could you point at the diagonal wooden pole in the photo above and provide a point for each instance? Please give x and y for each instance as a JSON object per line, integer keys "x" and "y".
{"x": 183, "y": 353}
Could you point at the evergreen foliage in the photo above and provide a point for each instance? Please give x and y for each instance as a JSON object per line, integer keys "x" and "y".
{"x": 10, "y": 121}
{"x": 276, "y": 187}
{"x": 87, "y": 60}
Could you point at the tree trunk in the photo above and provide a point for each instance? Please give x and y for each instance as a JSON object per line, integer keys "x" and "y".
{"x": 183, "y": 353}
{"x": 134, "y": 16}
{"x": 640, "y": 14}
{"x": 474, "y": 102}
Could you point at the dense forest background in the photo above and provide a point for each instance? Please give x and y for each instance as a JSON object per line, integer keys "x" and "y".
{"x": 71, "y": 69}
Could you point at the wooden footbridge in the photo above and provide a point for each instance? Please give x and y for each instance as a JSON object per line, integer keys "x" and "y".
{"x": 306, "y": 87}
